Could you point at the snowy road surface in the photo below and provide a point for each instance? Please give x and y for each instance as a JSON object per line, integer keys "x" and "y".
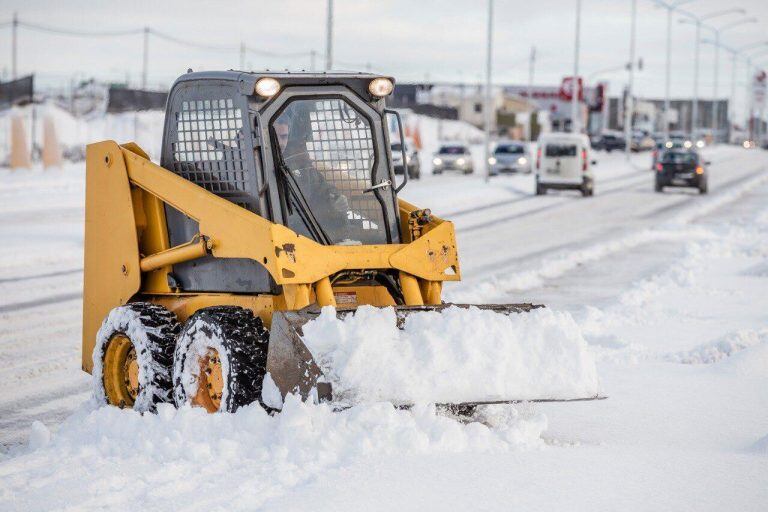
{"x": 670, "y": 290}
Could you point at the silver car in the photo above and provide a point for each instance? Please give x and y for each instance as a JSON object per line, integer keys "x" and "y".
{"x": 510, "y": 157}
{"x": 452, "y": 157}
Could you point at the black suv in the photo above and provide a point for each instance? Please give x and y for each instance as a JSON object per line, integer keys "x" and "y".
{"x": 681, "y": 168}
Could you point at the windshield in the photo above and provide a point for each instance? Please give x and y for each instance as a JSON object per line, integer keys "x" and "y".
{"x": 510, "y": 150}
{"x": 557, "y": 150}
{"x": 676, "y": 157}
{"x": 452, "y": 150}
{"x": 328, "y": 154}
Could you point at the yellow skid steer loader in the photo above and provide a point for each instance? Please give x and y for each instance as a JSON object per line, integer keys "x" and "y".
{"x": 275, "y": 196}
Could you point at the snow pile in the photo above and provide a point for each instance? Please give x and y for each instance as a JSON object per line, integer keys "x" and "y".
{"x": 457, "y": 355}
{"x": 714, "y": 351}
{"x": 186, "y": 459}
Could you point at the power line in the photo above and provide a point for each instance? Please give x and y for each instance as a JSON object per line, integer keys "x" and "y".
{"x": 78, "y": 33}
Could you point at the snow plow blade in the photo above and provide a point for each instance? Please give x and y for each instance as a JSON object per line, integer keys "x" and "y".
{"x": 294, "y": 369}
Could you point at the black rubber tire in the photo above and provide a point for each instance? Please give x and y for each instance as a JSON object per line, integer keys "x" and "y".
{"x": 240, "y": 337}
{"x": 436, "y": 172}
{"x": 703, "y": 189}
{"x": 540, "y": 189}
{"x": 658, "y": 187}
{"x": 152, "y": 330}
{"x": 469, "y": 171}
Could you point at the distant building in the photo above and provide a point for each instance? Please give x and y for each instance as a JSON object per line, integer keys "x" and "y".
{"x": 648, "y": 115}
{"x": 549, "y": 106}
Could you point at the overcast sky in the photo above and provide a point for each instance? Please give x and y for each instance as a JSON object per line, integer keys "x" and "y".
{"x": 409, "y": 39}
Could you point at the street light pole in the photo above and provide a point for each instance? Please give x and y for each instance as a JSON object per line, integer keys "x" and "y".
{"x": 531, "y": 66}
{"x": 629, "y": 107}
{"x": 695, "y": 113}
{"x": 145, "y": 59}
{"x": 14, "y": 45}
{"x": 715, "y": 106}
{"x": 488, "y": 107}
{"x": 329, "y": 37}
{"x": 575, "y": 121}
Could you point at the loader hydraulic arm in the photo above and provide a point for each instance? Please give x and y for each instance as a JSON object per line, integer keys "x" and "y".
{"x": 230, "y": 231}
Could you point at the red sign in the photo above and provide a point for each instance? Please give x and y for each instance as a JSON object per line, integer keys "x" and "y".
{"x": 566, "y": 89}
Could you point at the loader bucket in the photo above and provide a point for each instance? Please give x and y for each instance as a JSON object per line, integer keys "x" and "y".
{"x": 294, "y": 369}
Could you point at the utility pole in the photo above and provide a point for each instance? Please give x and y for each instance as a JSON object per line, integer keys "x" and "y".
{"x": 531, "y": 67}
{"x": 329, "y": 37}
{"x": 242, "y": 56}
{"x": 14, "y": 46}
{"x": 145, "y": 60}
{"x": 697, "y": 52}
{"x": 488, "y": 98}
{"x": 715, "y": 109}
{"x": 575, "y": 122}
{"x": 668, "y": 71}
{"x": 629, "y": 107}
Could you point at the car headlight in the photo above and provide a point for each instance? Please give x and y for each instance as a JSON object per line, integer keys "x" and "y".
{"x": 437, "y": 161}
{"x": 492, "y": 161}
{"x": 687, "y": 144}
{"x": 381, "y": 87}
{"x": 522, "y": 160}
{"x": 699, "y": 144}
{"x": 668, "y": 144}
{"x": 267, "y": 87}
{"x": 460, "y": 161}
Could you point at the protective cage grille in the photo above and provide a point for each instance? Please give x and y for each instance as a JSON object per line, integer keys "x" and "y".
{"x": 340, "y": 146}
{"x": 210, "y": 149}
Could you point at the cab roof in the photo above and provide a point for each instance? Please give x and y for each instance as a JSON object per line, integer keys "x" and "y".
{"x": 357, "y": 81}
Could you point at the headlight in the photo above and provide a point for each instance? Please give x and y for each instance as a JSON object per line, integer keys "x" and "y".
{"x": 745, "y": 144}
{"x": 460, "y": 162}
{"x": 668, "y": 144}
{"x": 522, "y": 160}
{"x": 267, "y": 87}
{"x": 492, "y": 161}
{"x": 437, "y": 161}
{"x": 687, "y": 144}
{"x": 381, "y": 87}
{"x": 699, "y": 144}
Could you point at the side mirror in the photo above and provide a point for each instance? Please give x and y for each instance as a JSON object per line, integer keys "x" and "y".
{"x": 594, "y": 162}
{"x": 707, "y": 162}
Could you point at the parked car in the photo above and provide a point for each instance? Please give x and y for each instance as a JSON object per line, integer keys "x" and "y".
{"x": 608, "y": 141}
{"x": 681, "y": 168}
{"x": 412, "y": 161}
{"x": 641, "y": 141}
{"x": 453, "y": 157}
{"x": 563, "y": 162}
{"x": 510, "y": 157}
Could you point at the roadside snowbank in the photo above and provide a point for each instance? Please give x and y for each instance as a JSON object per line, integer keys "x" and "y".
{"x": 457, "y": 355}
{"x": 187, "y": 459}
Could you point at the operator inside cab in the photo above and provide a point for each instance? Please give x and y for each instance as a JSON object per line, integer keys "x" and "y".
{"x": 306, "y": 187}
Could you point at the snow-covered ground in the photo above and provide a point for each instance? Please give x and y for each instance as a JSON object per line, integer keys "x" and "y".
{"x": 668, "y": 290}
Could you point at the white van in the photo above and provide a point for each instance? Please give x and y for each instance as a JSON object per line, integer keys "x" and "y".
{"x": 563, "y": 162}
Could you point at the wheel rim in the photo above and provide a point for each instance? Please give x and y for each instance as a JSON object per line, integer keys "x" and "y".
{"x": 121, "y": 371}
{"x": 210, "y": 383}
